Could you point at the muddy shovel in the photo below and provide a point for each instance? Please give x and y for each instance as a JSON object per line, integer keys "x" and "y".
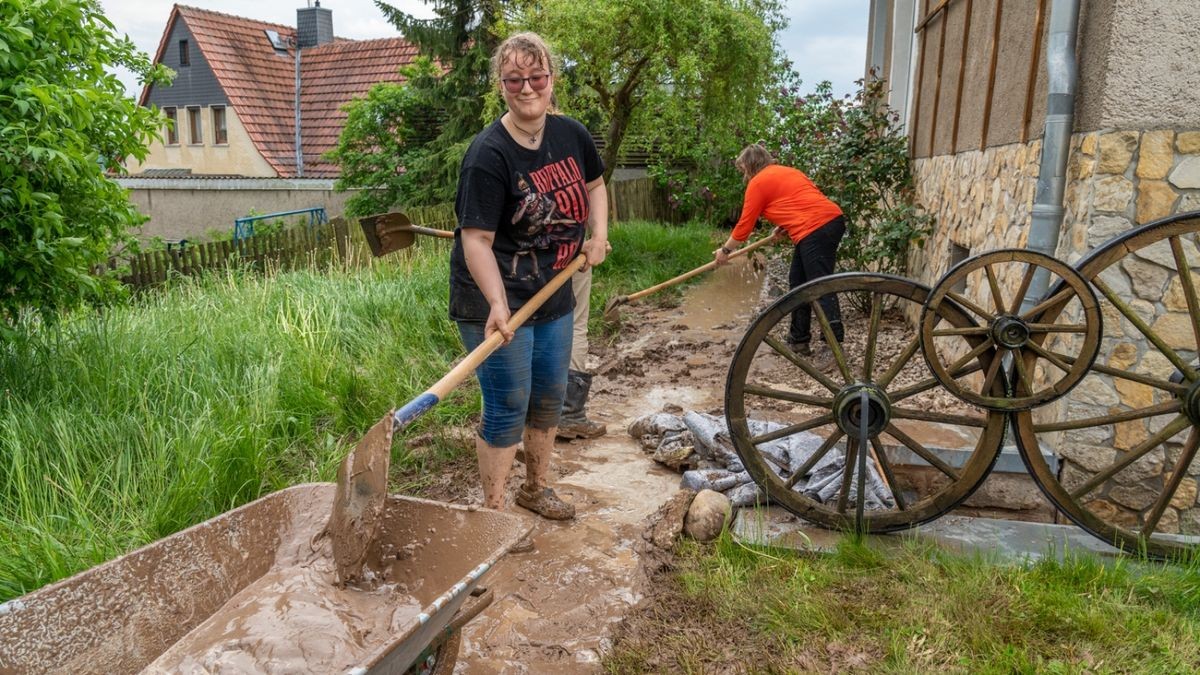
{"x": 611, "y": 315}
{"x": 389, "y": 232}
{"x": 362, "y": 476}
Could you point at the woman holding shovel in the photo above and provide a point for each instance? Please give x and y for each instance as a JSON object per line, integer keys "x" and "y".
{"x": 787, "y": 198}
{"x": 529, "y": 185}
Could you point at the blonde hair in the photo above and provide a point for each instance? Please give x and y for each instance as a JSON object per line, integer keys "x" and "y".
{"x": 527, "y": 44}
{"x": 752, "y": 159}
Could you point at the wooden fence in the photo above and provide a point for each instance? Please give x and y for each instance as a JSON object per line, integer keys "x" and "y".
{"x": 338, "y": 240}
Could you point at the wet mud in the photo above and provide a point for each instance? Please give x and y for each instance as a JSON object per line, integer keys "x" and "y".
{"x": 556, "y": 607}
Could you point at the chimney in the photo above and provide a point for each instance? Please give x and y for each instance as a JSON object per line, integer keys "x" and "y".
{"x": 314, "y": 26}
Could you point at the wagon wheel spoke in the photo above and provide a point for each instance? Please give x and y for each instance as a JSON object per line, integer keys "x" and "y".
{"x": 1178, "y": 424}
{"x": 994, "y": 285}
{"x": 801, "y": 363}
{"x": 1049, "y": 356}
{"x": 792, "y": 429}
{"x": 951, "y": 332}
{"x": 1172, "y": 484}
{"x": 989, "y": 379}
{"x": 921, "y": 451}
{"x": 1057, "y": 328}
{"x": 1189, "y": 289}
{"x": 1059, "y": 298}
{"x": 930, "y": 382}
{"x": 969, "y": 304}
{"x": 1126, "y": 375}
{"x": 940, "y": 417}
{"x": 970, "y": 356}
{"x": 872, "y": 336}
{"x": 791, "y": 396}
{"x": 847, "y": 474}
{"x": 885, "y": 467}
{"x": 832, "y": 342}
{"x": 1165, "y": 408}
{"x": 1145, "y": 329}
{"x": 809, "y": 463}
{"x": 1026, "y": 279}
{"x": 902, "y": 360}
{"x": 1023, "y": 382}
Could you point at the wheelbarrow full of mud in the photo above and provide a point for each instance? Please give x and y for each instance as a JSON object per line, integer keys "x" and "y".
{"x": 253, "y": 590}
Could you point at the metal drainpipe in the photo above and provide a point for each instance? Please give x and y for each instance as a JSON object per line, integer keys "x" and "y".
{"x": 299, "y": 147}
{"x": 1062, "y": 75}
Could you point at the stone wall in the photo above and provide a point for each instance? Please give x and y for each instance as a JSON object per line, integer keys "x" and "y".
{"x": 1117, "y": 179}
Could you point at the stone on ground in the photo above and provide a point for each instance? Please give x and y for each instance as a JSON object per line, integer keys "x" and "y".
{"x": 707, "y": 516}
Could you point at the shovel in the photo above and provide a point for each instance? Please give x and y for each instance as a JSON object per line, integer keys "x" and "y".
{"x": 611, "y": 315}
{"x": 388, "y": 232}
{"x": 362, "y": 476}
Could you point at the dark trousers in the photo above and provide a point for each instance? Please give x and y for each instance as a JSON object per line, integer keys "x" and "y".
{"x": 813, "y": 258}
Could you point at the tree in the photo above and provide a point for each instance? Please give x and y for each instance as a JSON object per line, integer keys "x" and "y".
{"x": 421, "y": 167}
{"x": 64, "y": 122}
{"x": 661, "y": 65}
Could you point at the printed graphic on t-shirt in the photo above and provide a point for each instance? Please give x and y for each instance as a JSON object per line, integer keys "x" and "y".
{"x": 549, "y": 217}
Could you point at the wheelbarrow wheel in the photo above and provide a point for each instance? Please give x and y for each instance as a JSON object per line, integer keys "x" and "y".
{"x": 910, "y": 412}
{"x": 1127, "y": 442}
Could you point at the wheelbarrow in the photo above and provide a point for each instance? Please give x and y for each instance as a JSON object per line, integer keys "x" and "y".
{"x": 139, "y": 612}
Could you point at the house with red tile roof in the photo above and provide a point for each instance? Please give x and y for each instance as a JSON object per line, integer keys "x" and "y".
{"x": 259, "y": 100}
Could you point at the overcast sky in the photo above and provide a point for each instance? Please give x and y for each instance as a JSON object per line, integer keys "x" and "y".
{"x": 825, "y": 39}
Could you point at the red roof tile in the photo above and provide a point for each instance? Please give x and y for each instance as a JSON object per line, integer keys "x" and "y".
{"x": 260, "y": 83}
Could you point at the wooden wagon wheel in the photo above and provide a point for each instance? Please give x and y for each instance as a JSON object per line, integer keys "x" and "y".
{"x": 1023, "y": 334}
{"x": 768, "y": 382}
{"x": 1128, "y": 439}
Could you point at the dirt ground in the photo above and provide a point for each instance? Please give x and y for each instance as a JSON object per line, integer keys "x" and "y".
{"x": 556, "y": 607}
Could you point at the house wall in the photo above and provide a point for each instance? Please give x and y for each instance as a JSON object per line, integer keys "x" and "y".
{"x": 238, "y": 157}
{"x": 188, "y": 208}
{"x": 1135, "y": 157}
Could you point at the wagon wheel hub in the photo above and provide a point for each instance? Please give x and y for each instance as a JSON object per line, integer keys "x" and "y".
{"x": 1009, "y": 332}
{"x": 1191, "y": 403}
{"x": 847, "y": 409}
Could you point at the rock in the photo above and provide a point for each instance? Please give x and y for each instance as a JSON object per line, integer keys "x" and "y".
{"x": 1155, "y": 156}
{"x": 713, "y": 479}
{"x": 1112, "y": 194}
{"x": 665, "y": 524}
{"x": 675, "y": 456}
{"x": 1149, "y": 279}
{"x": 1104, "y": 228}
{"x": 1156, "y": 199}
{"x": 1188, "y": 142}
{"x": 707, "y": 516}
{"x": 1186, "y": 176}
{"x": 1116, "y": 151}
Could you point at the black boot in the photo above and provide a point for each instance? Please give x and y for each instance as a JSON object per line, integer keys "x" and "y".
{"x": 574, "y": 422}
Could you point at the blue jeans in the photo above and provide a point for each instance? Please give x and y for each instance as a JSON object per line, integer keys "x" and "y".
{"x": 523, "y": 382}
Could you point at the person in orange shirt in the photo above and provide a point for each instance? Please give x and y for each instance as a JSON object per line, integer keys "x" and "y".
{"x": 789, "y": 200}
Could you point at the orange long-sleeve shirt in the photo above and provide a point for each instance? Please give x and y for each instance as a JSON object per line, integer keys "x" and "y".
{"x": 787, "y": 198}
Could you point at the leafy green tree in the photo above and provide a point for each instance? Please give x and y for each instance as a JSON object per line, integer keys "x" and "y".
{"x": 64, "y": 122}
{"x": 660, "y": 66}
{"x": 435, "y": 113}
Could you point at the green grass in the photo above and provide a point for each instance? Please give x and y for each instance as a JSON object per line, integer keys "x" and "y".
{"x": 123, "y": 426}
{"x": 921, "y": 609}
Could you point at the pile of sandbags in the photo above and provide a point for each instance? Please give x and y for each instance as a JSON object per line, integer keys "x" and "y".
{"x": 699, "y": 445}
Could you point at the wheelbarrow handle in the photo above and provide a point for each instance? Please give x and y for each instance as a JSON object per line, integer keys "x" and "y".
{"x": 432, "y": 396}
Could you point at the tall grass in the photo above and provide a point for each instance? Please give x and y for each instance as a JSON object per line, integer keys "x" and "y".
{"x": 121, "y": 427}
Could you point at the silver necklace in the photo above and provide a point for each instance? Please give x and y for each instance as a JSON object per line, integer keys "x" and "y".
{"x": 532, "y": 136}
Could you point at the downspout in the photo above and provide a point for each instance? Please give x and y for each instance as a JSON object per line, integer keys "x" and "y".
{"x": 1062, "y": 76}
{"x": 299, "y": 147}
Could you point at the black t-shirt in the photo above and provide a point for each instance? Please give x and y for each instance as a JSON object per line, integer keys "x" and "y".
{"x": 536, "y": 202}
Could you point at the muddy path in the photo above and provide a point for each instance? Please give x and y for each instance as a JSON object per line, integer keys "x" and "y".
{"x": 556, "y": 605}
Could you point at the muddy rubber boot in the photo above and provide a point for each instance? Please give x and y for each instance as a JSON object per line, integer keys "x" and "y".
{"x": 574, "y": 422}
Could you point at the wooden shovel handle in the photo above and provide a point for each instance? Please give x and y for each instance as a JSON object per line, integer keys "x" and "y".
{"x": 468, "y": 365}
{"x": 699, "y": 270}
{"x": 443, "y": 234}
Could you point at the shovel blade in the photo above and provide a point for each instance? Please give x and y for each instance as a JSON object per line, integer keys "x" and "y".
{"x": 387, "y": 232}
{"x": 359, "y": 500}
{"x": 611, "y": 309}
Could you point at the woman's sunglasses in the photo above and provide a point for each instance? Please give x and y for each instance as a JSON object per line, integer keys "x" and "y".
{"x": 515, "y": 84}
